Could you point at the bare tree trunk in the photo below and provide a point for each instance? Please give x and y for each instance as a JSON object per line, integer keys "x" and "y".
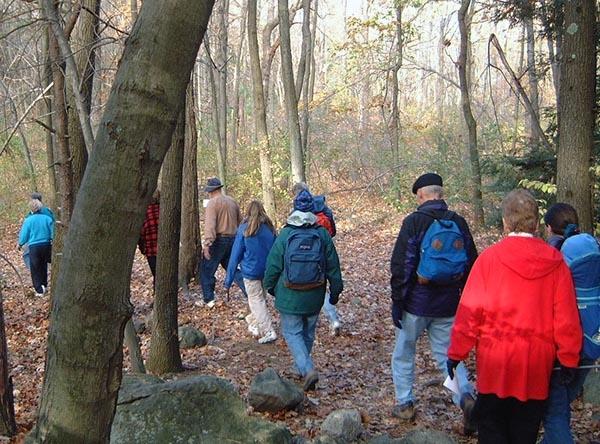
{"x": 440, "y": 86}
{"x": 463, "y": 64}
{"x": 517, "y": 100}
{"x": 132, "y": 342}
{"x": 221, "y": 86}
{"x": 235, "y": 130}
{"x": 91, "y": 306}
{"x": 304, "y": 88}
{"x": 83, "y": 40}
{"x": 576, "y": 115}
{"x": 8, "y": 426}
{"x": 260, "y": 115}
{"x": 532, "y": 77}
{"x": 313, "y": 41}
{"x": 395, "y": 117}
{"x": 291, "y": 100}
{"x": 48, "y": 122}
{"x": 164, "y": 345}
{"x": 190, "y": 220}
{"x": 304, "y": 56}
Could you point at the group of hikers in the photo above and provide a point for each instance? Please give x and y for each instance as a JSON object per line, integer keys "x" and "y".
{"x": 530, "y": 308}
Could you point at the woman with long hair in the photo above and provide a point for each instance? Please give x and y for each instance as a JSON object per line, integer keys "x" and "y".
{"x": 252, "y": 244}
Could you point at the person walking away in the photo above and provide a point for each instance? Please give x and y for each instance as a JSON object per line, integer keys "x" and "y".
{"x": 325, "y": 219}
{"x": 518, "y": 310}
{"x": 301, "y": 262}
{"x": 45, "y": 210}
{"x": 582, "y": 255}
{"x": 430, "y": 262}
{"x": 221, "y": 220}
{"x": 253, "y": 241}
{"x": 148, "y": 242}
{"x": 37, "y": 231}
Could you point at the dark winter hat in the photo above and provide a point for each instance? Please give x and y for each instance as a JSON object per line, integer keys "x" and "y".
{"x": 304, "y": 201}
{"x": 213, "y": 184}
{"x": 36, "y": 195}
{"x": 426, "y": 180}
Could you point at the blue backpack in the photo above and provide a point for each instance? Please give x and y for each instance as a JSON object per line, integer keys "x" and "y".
{"x": 443, "y": 256}
{"x": 582, "y": 255}
{"x": 304, "y": 260}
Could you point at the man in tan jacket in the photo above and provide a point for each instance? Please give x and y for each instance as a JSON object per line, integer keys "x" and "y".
{"x": 221, "y": 219}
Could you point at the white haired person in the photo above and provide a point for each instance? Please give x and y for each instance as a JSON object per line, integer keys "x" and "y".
{"x": 37, "y": 232}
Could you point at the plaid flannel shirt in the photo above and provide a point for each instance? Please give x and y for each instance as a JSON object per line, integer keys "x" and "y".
{"x": 149, "y": 236}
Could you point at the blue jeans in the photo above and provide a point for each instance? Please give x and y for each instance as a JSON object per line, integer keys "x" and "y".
{"x": 220, "y": 251}
{"x": 557, "y": 420}
{"x": 403, "y": 357}
{"x": 330, "y": 310}
{"x": 299, "y": 334}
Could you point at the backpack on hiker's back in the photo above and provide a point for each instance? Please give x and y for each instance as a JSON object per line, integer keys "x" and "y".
{"x": 304, "y": 259}
{"x": 443, "y": 257}
{"x": 582, "y": 255}
{"x": 324, "y": 214}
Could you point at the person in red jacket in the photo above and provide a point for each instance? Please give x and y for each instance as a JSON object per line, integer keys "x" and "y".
{"x": 148, "y": 242}
{"x": 518, "y": 310}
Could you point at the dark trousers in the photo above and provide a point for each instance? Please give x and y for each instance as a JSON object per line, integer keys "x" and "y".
{"x": 39, "y": 257}
{"x": 220, "y": 251}
{"x": 152, "y": 264}
{"x": 507, "y": 420}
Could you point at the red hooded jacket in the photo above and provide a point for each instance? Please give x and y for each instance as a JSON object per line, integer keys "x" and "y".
{"x": 518, "y": 309}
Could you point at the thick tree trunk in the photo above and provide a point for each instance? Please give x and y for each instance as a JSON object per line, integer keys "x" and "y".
{"x": 91, "y": 306}
{"x": 83, "y": 41}
{"x": 8, "y": 426}
{"x": 164, "y": 346}
{"x": 464, "y": 26}
{"x": 48, "y": 123}
{"x": 291, "y": 100}
{"x": 576, "y": 113}
{"x": 532, "y": 79}
{"x": 260, "y": 115}
{"x": 190, "y": 220}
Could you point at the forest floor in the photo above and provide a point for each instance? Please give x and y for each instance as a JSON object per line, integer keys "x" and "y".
{"x": 354, "y": 367}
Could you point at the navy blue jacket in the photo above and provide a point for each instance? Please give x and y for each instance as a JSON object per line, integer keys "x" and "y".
{"x": 251, "y": 252}
{"x": 431, "y": 300}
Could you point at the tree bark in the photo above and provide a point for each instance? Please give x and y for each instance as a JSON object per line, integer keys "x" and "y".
{"x": 8, "y": 426}
{"x": 463, "y": 68}
{"x": 291, "y": 100}
{"x": 305, "y": 48}
{"x": 576, "y": 114}
{"x": 91, "y": 306}
{"x": 220, "y": 73}
{"x": 48, "y": 121}
{"x": 164, "y": 345}
{"x": 132, "y": 342}
{"x": 83, "y": 40}
{"x": 260, "y": 114}
{"x": 235, "y": 130}
{"x": 190, "y": 220}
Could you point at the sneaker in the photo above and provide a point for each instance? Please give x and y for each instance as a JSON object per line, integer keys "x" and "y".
{"x": 405, "y": 411}
{"x": 269, "y": 337}
{"x": 43, "y": 289}
{"x": 253, "y": 330}
{"x": 310, "y": 380}
{"x": 210, "y": 304}
{"x": 336, "y": 327}
{"x": 467, "y": 403}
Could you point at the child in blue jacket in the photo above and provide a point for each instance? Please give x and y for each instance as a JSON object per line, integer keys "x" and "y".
{"x": 253, "y": 241}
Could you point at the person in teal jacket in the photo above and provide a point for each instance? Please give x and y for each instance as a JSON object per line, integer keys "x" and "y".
{"x": 299, "y": 309}
{"x": 45, "y": 210}
{"x": 37, "y": 232}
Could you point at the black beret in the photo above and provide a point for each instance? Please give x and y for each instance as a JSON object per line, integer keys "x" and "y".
{"x": 425, "y": 180}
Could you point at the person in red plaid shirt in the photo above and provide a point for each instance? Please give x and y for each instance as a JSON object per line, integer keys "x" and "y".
{"x": 148, "y": 242}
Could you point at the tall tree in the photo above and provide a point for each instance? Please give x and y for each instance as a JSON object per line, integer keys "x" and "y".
{"x": 190, "y": 221}
{"x": 464, "y": 25}
{"x": 291, "y": 99}
{"x": 576, "y": 112}
{"x": 532, "y": 75}
{"x": 84, "y": 359}
{"x": 164, "y": 345}
{"x": 235, "y": 130}
{"x": 260, "y": 114}
{"x": 220, "y": 66}
{"x": 83, "y": 43}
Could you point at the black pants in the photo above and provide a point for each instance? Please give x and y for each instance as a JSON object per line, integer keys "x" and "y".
{"x": 507, "y": 420}
{"x": 152, "y": 264}
{"x": 40, "y": 256}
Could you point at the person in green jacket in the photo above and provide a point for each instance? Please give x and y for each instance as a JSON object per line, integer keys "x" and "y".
{"x": 299, "y": 308}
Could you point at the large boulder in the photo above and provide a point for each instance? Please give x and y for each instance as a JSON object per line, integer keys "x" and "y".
{"x": 591, "y": 388}
{"x": 343, "y": 425}
{"x": 426, "y": 436}
{"x": 384, "y": 439}
{"x": 190, "y": 337}
{"x": 195, "y": 409}
{"x": 269, "y": 392}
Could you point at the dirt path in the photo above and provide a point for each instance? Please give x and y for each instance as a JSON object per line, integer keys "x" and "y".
{"x": 354, "y": 367}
